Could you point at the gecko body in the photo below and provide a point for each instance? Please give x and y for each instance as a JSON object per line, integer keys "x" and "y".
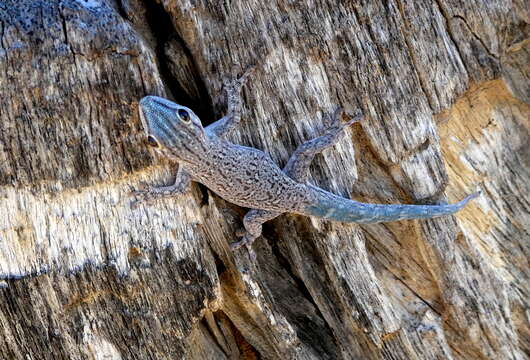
{"x": 248, "y": 177}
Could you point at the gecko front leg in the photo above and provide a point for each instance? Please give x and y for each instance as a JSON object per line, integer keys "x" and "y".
{"x": 179, "y": 187}
{"x": 253, "y": 222}
{"x": 230, "y": 121}
{"x": 297, "y": 167}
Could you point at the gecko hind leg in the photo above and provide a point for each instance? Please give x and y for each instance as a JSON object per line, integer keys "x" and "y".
{"x": 297, "y": 167}
{"x": 179, "y": 187}
{"x": 253, "y": 222}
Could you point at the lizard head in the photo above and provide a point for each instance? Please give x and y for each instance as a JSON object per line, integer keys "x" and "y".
{"x": 172, "y": 130}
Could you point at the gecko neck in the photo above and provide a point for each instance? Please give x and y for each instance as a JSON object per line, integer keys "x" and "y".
{"x": 195, "y": 153}
{"x": 201, "y": 157}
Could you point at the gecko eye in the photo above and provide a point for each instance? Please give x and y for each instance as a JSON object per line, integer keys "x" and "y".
{"x": 183, "y": 115}
{"x": 152, "y": 141}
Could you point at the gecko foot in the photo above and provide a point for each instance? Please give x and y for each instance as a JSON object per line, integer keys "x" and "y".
{"x": 333, "y": 123}
{"x": 356, "y": 118}
{"x": 233, "y": 87}
{"x": 148, "y": 196}
{"x": 236, "y": 245}
{"x": 247, "y": 240}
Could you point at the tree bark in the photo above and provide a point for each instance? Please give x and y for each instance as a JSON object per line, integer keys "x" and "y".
{"x": 444, "y": 87}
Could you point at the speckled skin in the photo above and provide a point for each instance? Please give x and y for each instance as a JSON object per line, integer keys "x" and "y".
{"x": 248, "y": 177}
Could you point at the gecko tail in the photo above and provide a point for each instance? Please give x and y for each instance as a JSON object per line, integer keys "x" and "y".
{"x": 332, "y": 207}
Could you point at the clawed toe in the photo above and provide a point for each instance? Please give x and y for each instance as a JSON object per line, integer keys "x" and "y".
{"x": 247, "y": 73}
{"x": 136, "y": 203}
{"x": 239, "y": 82}
{"x": 247, "y": 239}
{"x": 356, "y": 118}
{"x": 140, "y": 199}
{"x": 236, "y": 245}
{"x": 142, "y": 194}
{"x": 245, "y": 242}
{"x": 136, "y": 193}
{"x": 334, "y": 124}
{"x": 337, "y": 114}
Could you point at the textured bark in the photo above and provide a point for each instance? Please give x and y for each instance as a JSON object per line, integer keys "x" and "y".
{"x": 444, "y": 87}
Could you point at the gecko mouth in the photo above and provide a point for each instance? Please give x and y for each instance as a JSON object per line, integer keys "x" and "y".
{"x": 142, "y": 117}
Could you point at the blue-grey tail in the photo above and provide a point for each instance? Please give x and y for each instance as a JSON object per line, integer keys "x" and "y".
{"x": 333, "y": 207}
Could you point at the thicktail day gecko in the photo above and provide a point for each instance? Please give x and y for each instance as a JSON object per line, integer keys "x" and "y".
{"x": 248, "y": 177}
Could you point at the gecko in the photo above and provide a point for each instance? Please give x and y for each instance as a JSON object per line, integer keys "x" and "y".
{"x": 248, "y": 177}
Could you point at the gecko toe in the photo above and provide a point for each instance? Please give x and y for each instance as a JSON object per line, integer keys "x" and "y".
{"x": 251, "y": 253}
{"x": 135, "y": 204}
{"x": 236, "y": 245}
{"x": 356, "y": 118}
{"x": 247, "y": 240}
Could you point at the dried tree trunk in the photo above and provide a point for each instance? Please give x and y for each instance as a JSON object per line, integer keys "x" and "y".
{"x": 444, "y": 89}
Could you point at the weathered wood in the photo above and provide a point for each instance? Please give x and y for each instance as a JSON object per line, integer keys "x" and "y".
{"x": 444, "y": 87}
